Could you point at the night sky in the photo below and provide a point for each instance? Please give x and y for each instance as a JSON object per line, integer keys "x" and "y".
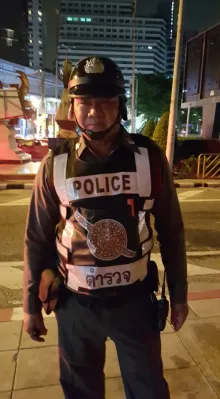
{"x": 199, "y": 15}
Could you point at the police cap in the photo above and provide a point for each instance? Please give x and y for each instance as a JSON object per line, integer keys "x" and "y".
{"x": 96, "y": 77}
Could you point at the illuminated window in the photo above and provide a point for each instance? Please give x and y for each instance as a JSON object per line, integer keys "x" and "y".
{"x": 69, "y": 19}
{"x": 75, "y": 19}
{"x": 88, "y": 19}
{"x": 9, "y": 42}
{"x": 29, "y": 12}
{"x": 150, "y": 48}
{"x": 30, "y": 41}
{"x": 40, "y": 52}
{"x": 82, "y": 19}
{"x": 39, "y": 41}
{"x": 39, "y": 13}
{"x": 39, "y": 19}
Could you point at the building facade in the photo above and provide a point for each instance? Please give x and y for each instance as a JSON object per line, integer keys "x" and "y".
{"x": 14, "y": 32}
{"x": 168, "y": 10}
{"x": 107, "y": 28}
{"x": 35, "y": 33}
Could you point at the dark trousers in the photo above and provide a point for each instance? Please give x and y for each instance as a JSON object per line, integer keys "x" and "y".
{"x": 84, "y": 323}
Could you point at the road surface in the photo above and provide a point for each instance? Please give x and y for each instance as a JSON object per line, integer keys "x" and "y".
{"x": 201, "y": 211}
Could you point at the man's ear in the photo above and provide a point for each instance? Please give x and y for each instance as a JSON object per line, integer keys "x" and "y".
{"x": 71, "y": 115}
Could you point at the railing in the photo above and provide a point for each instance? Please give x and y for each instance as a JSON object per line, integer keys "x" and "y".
{"x": 208, "y": 166}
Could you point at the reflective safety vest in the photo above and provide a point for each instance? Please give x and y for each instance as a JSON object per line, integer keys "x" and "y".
{"x": 104, "y": 238}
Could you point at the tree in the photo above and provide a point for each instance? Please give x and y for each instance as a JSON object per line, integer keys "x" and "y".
{"x": 154, "y": 93}
{"x": 149, "y": 128}
{"x": 160, "y": 133}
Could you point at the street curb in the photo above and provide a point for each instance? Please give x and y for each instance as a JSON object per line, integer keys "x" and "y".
{"x": 196, "y": 185}
{"x": 29, "y": 186}
{"x": 16, "y": 186}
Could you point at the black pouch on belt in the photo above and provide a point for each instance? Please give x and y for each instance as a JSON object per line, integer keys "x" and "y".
{"x": 160, "y": 306}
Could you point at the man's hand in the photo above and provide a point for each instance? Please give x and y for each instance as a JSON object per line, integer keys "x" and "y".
{"x": 179, "y": 313}
{"x": 34, "y": 326}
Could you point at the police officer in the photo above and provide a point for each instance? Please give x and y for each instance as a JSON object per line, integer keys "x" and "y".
{"x": 89, "y": 218}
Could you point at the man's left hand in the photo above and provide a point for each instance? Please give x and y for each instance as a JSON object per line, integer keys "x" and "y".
{"x": 179, "y": 313}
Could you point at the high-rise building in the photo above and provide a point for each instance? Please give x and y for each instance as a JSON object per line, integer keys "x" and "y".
{"x": 35, "y": 33}
{"x": 106, "y": 28}
{"x": 168, "y": 10}
{"x": 14, "y": 32}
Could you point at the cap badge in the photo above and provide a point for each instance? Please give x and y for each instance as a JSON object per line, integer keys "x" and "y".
{"x": 94, "y": 65}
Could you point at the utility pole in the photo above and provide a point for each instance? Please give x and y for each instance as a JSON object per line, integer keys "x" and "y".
{"x": 175, "y": 87}
{"x": 43, "y": 119}
{"x": 57, "y": 65}
{"x": 133, "y": 70}
{"x": 187, "y": 122}
{"x": 136, "y": 103}
{"x": 57, "y": 46}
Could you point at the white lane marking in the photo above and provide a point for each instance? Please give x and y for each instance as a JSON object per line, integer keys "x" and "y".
{"x": 201, "y": 200}
{"x": 14, "y": 263}
{"x": 20, "y": 202}
{"x": 203, "y": 253}
{"x": 18, "y": 314}
{"x": 12, "y": 278}
{"x": 188, "y": 194}
{"x": 193, "y": 270}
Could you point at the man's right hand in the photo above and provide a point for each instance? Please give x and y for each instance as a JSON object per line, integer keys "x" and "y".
{"x": 34, "y": 326}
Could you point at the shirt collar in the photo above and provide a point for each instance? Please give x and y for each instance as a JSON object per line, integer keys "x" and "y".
{"x": 124, "y": 139}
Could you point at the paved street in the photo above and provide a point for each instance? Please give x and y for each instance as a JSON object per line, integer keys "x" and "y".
{"x": 201, "y": 216}
{"x": 191, "y": 357}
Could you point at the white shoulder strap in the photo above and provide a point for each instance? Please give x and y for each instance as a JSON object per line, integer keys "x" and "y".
{"x": 59, "y": 176}
{"x": 143, "y": 172}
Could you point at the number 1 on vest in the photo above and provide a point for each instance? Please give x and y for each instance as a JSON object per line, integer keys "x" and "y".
{"x": 130, "y": 203}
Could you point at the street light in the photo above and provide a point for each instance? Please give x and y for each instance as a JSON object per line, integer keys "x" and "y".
{"x": 175, "y": 88}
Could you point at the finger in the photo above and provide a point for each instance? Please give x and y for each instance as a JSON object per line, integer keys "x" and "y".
{"x": 180, "y": 320}
{"x": 37, "y": 338}
{"x": 42, "y": 330}
{"x": 41, "y": 327}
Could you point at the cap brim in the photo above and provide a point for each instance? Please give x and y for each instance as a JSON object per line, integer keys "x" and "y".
{"x": 96, "y": 91}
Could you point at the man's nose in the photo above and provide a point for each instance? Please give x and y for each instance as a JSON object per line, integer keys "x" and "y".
{"x": 95, "y": 108}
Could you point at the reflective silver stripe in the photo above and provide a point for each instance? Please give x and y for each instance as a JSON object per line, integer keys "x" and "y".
{"x": 59, "y": 173}
{"x": 62, "y": 271}
{"x": 67, "y": 235}
{"x": 62, "y": 250}
{"x": 142, "y": 227}
{"x": 63, "y": 211}
{"x": 147, "y": 247}
{"x": 143, "y": 172}
{"x": 93, "y": 277}
{"x": 148, "y": 204}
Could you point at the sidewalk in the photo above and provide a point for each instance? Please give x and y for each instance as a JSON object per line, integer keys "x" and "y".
{"x": 191, "y": 358}
{"x": 22, "y": 176}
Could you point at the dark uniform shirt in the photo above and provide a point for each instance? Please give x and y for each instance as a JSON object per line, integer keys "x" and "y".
{"x": 44, "y": 215}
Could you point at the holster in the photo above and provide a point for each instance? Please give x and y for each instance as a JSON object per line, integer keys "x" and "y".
{"x": 160, "y": 306}
{"x": 49, "y": 288}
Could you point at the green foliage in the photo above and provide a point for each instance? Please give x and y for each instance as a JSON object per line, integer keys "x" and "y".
{"x": 161, "y": 131}
{"x": 188, "y": 166}
{"x": 154, "y": 93}
{"x": 149, "y": 128}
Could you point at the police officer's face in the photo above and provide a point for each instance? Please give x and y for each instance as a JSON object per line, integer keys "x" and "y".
{"x": 96, "y": 114}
